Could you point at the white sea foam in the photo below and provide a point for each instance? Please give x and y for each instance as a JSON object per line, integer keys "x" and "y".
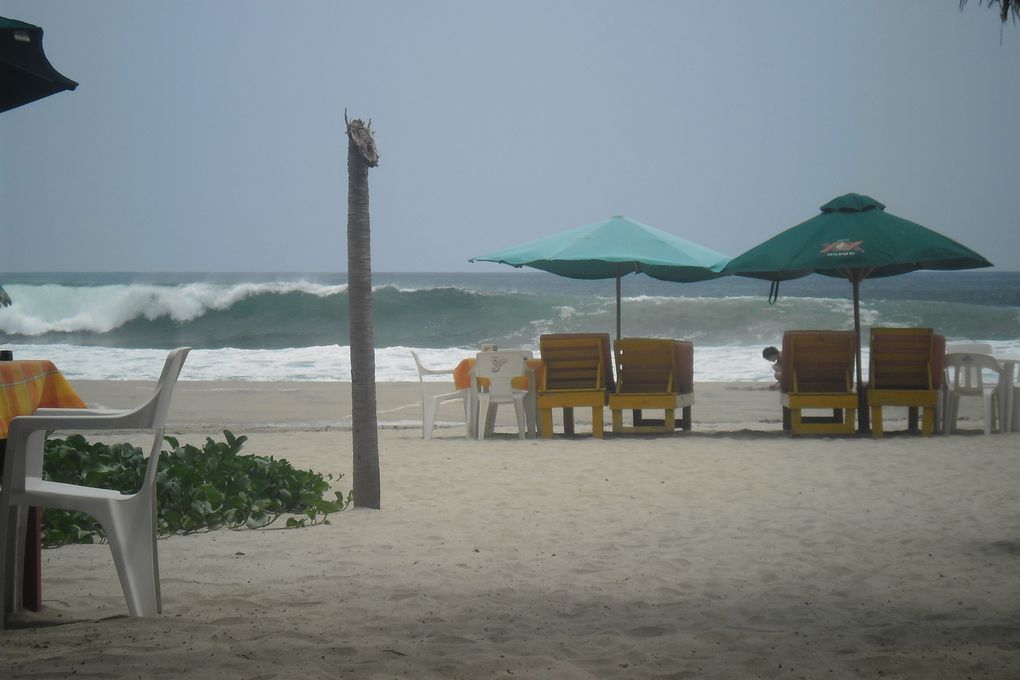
{"x": 332, "y": 362}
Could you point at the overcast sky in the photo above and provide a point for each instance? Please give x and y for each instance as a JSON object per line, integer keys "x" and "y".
{"x": 208, "y": 136}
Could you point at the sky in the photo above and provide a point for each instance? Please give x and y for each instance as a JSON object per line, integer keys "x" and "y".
{"x": 209, "y": 136}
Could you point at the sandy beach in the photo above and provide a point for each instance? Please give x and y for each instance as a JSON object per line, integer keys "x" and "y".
{"x": 732, "y": 551}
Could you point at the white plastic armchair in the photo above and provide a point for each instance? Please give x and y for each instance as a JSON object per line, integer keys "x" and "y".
{"x": 129, "y": 520}
{"x": 499, "y": 369}
{"x": 941, "y": 417}
{"x": 430, "y": 402}
{"x": 965, "y": 378}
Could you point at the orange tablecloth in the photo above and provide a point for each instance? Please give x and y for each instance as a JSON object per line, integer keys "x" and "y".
{"x": 24, "y": 387}
{"x": 462, "y": 374}
{"x": 28, "y": 385}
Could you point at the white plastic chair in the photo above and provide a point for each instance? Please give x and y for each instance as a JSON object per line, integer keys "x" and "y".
{"x": 941, "y": 421}
{"x": 430, "y": 403}
{"x": 500, "y": 368}
{"x": 965, "y": 378}
{"x": 129, "y": 520}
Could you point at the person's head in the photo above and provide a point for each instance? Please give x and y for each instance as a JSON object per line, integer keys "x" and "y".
{"x": 770, "y": 353}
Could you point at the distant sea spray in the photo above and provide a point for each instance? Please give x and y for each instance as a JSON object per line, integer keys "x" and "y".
{"x": 294, "y": 327}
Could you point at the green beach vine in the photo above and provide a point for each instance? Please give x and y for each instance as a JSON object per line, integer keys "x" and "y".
{"x": 198, "y": 489}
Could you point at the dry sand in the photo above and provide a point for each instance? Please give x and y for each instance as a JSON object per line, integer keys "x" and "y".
{"x": 732, "y": 551}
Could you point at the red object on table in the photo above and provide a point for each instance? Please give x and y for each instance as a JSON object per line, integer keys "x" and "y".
{"x": 24, "y": 387}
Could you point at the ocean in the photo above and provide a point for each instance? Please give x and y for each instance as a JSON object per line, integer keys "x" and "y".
{"x": 118, "y": 326}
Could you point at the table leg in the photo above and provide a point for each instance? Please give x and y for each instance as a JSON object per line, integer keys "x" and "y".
{"x": 472, "y": 406}
{"x": 1006, "y": 422}
{"x": 1011, "y": 421}
{"x": 531, "y": 404}
{"x": 32, "y": 583}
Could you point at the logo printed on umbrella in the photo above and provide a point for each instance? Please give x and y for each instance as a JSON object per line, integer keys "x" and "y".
{"x": 841, "y": 248}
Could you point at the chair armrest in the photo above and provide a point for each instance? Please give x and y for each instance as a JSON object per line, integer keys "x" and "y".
{"x": 437, "y": 371}
{"x": 51, "y": 412}
{"x": 114, "y": 420}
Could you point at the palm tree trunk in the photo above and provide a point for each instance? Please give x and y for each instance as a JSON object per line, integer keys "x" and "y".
{"x": 361, "y": 155}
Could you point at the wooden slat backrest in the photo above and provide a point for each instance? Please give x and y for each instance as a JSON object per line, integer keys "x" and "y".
{"x": 606, "y": 349}
{"x": 644, "y": 365}
{"x": 901, "y": 358}
{"x": 818, "y": 361}
{"x": 571, "y": 363}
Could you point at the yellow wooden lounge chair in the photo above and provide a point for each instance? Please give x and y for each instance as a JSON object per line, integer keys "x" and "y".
{"x": 906, "y": 370}
{"x": 644, "y": 380}
{"x": 576, "y": 371}
{"x": 817, "y": 369}
{"x": 683, "y": 385}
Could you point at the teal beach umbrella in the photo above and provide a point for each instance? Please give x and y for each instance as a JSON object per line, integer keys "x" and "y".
{"x": 612, "y": 249}
{"x": 856, "y": 239}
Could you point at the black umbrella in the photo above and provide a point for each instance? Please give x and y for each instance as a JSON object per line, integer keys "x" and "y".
{"x": 25, "y": 73}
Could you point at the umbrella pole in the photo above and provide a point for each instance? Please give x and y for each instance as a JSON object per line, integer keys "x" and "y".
{"x": 617, "y": 302}
{"x": 863, "y": 415}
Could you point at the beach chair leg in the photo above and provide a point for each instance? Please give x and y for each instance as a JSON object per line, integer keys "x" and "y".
{"x": 912, "y": 418}
{"x": 490, "y": 419}
{"x": 618, "y": 420}
{"x": 685, "y": 421}
{"x": 429, "y": 419}
{"x": 483, "y": 416}
{"x": 928, "y": 424}
{"x": 522, "y": 420}
{"x": 568, "y": 420}
{"x": 670, "y": 420}
{"x": 794, "y": 423}
{"x": 545, "y": 423}
{"x": 596, "y": 422}
{"x": 876, "y": 422}
{"x": 530, "y": 413}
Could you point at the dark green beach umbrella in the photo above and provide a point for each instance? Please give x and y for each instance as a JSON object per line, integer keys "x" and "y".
{"x": 611, "y": 249}
{"x": 25, "y": 73}
{"x": 856, "y": 239}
